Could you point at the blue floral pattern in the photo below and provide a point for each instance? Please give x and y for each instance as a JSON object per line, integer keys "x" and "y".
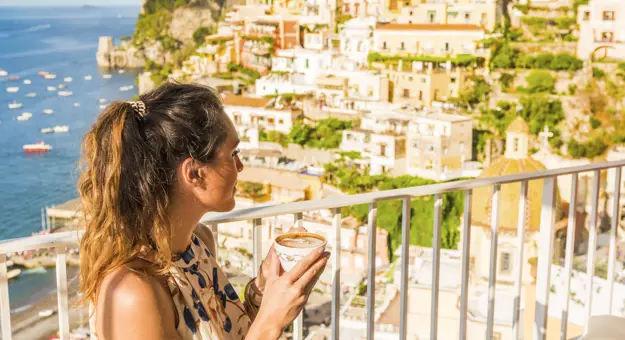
{"x": 207, "y": 302}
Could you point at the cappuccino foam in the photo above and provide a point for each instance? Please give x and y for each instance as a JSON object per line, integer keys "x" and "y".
{"x": 301, "y": 242}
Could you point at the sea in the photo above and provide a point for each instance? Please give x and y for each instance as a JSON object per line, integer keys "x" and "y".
{"x": 63, "y": 41}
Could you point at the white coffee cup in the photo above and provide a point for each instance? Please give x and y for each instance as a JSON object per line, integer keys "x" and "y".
{"x": 290, "y": 250}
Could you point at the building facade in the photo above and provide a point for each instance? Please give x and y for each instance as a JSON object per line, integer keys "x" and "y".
{"x": 261, "y": 113}
{"x": 485, "y": 13}
{"x": 601, "y": 30}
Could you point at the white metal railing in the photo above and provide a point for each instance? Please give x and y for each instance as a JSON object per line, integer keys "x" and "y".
{"x": 60, "y": 241}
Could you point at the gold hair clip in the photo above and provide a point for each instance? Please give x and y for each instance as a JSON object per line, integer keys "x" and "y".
{"x": 138, "y": 107}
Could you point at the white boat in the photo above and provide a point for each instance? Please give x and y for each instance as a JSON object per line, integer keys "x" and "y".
{"x": 24, "y": 116}
{"x": 47, "y": 130}
{"x": 50, "y": 76}
{"x": 48, "y": 111}
{"x": 13, "y": 273}
{"x": 107, "y": 76}
{"x": 76, "y": 104}
{"x": 68, "y": 79}
{"x": 40, "y": 147}
{"x": 61, "y": 128}
{"x": 31, "y": 95}
{"x": 102, "y": 107}
{"x": 121, "y": 71}
{"x": 3, "y": 73}
{"x": 13, "y": 89}
{"x": 27, "y": 82}
{"x": 45, "y": 313}
{"x": 62, "y": 86}
{"x": 103, "y": 100}
{"x": 88, "y": 77}
{"x": 51, "y": 88}
{"x": 27, "y": 114}
{"x": 65, "y": 93}
{"x": 15, "y": 105}
{"x": 125, "y": 88}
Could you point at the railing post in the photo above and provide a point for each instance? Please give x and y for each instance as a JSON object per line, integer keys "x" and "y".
{"x": 592, "y": 246}
{"x": 518, "y": 275}
{"x": 5, "y": 310}
{"x": 613, "y": 235}
{"x": 568, "y": 261}
{"x": 372, "y": 236}
{"x": 492, "y": 277}
{"x": 257, "y": 245}
{"x": 336, "y": 270}
{"x": 61, "y": 286}
{"x": 298, "y": 323}
{"x": 405, "y": 261}
{"x": 545, "y": 250}
{"x": 436, "y": 264}
{"x": 466, "y": 262}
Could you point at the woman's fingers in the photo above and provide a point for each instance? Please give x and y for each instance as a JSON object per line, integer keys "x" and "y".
{"x": 298, "y": 230}
{"x": 310, "y": 277}
{"x": 302, "y": 266}
{"x": 274, "y": 264}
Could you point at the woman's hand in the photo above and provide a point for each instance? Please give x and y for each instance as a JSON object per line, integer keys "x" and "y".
{"x": 267, "y": 264}
{"x": 286, "y": 295}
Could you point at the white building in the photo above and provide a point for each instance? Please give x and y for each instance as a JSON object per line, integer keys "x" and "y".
{"x": 601, "y": 29}
{"x": 356, "y": 36}
{"x": 247, "y": 112}
{"x": 351, "y": 89}
{"x": 439, "y": 146}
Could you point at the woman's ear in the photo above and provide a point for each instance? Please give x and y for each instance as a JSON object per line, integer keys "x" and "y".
{"x": 190, "y": 172}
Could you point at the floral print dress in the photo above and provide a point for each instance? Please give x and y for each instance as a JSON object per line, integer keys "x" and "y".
{"x": 207, "y": 306}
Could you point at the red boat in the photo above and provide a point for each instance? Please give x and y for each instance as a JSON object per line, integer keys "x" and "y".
{"x": 40, "y": 147}
{"x": 42, "y": 73}
{"x": 13, "y": 78}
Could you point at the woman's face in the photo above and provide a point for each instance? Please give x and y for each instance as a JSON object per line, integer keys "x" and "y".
{"x": 218, "y": 180}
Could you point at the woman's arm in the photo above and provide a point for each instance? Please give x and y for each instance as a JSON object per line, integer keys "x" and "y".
{"x": 133, "y": 306}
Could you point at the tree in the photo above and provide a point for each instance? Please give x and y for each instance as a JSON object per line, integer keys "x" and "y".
{"x": 200, "y": 34}
{"x": 506, "y": 80}
{"x": 540, "y": 111}
{"x": 539, "y": 81}
{"x": 475, "y": 93}
{"x": 300, "y": 133}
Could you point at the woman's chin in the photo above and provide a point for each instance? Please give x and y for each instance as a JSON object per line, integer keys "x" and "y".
{"x": 227, "y": 205}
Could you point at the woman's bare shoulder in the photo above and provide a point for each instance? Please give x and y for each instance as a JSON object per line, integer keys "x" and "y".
{"x": 128, "y": 293}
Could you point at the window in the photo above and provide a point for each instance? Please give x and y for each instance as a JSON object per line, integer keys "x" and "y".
{"x": 415, "y": 145}
{"x": 461, "y": 147}
{"x": 446, "y": 47}
{"x": 608, "y": 16}
{"x": 467, "y": 17}
{"x": 484, "y": 19}
{"x": 409, "y": 78}
{"x": 424, "y": 80}
{"x": 607, "y": 36}
{"x": 271, "y": 121}
{"x": 383, "y": 150}
{"x": 406, "y": 93}
{"x": 586, "y": 15}
{"x": 410, "y": 13}
{"x": 307, "y": 63}
{"x": 403, "y": 46}
{"x": 430, "y": 148}
{"x": 431, "y": 16}
{"x": 506, "y": 265}
{"x": 453, "y": 80}
{"x": 384, "y": 45}
{"x": 420, "y": 95}
{"x": 515, "y": 144}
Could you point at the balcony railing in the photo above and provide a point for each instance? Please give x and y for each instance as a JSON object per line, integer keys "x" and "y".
{"x": 61, "y": 241}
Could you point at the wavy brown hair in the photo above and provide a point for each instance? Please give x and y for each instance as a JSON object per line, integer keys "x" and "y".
{"x": 128, "y": 170}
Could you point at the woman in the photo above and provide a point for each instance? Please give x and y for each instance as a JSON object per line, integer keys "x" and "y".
{"x": 150, "y": 170}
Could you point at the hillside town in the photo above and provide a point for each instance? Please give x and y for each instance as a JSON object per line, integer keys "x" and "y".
{"x": 339, "y": 97}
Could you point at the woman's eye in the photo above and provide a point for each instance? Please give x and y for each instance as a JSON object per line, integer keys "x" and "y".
{"x": 236, "y": 152}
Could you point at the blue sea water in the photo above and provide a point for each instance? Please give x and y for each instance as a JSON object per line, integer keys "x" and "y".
{"x": 62, "y": 41}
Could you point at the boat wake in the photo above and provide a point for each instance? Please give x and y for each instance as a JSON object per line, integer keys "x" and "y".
{"x": 21, "y": 309}
{"x": 48, "y": 51}
{"x": 37, "y": 270}
{"x": 26, "y": 30}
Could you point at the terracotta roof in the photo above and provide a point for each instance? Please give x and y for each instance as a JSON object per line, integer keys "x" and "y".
{"x": 519, "y": 126}
{"x": 246, "y": 101}
{"x": 429, "y": 27}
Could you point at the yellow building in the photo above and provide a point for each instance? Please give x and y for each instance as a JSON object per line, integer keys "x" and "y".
{"x": 482, "y": 13}
{"x": 429, "y": 39}
{"x": 422, "y": 83}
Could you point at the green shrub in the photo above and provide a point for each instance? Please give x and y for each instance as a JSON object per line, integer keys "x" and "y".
{"x": 200, "y": 35}
{"x": 598, "y": 73}
{"x": 594, "y": 122}
{"x": 572, "y": 89}
{"x": 539, "y": 81}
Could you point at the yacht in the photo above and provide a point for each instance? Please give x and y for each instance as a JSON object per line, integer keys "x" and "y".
{"x": 50, "y": 76}
{"x": 107, "y": 76}
{"x": 68, "y": 79}
{"x": 125, "y": 88}
{"x": 13, "y": 78}
{"x": 48, "y": 111}
{"x": 76, "y": 104}
{"x": 60, "y": 128}
{"x": 51, "y": 88}
{"x": 103, "y": 100}
{"x": 62, "y": 86}
{"x": 65, "y": 93}
{"x": 24, "y": 116}
{"x": 47, "y": 130}
{"x": 3, "y": 73}
{"x": 15, "y": 105}
{"x": 88, "y": 77}
{"x": 40, "y": 147}
{"x": 121, "y": 71}
{"x": 31, "y": 95}
{"x": 13, "y": 89}
{"x": 27, "y": 82}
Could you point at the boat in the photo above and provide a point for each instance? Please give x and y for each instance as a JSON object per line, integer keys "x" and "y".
{"x": 88, "y": 77}
{"x": 103, "y": 100}
{"x": 102, "y": 107}
{"x": 15, "y": 105}
{"x": 76, "y": 104}
{"x": 13, "y": 89}
{"x": 61, "y": 128}
{"x": 13, "y": 273}
{"x": 48, "y": 111}
{"x": 107, "y": 76}
{"x": 24, "y": 116}
{"x": 50, "y": 76}
{"x": 42, "y": 73}
{"x": 39, "y": 147}
{"x": 27, "y": 81}
{"x": 47, "y": 130}
{"x": 62, "y": 86}
{"x": 68, "y": 79}
{"x": 31, "y": 95}
{"x": 3, "y": 73}
{"x": 125, "y": 88}
{"x": 51, "y": 88}
{"x": 121, "y": 71}
{"x": 13, "y": 78}
{"x": 45, "y": 313}
{"x": 65, "y": 93}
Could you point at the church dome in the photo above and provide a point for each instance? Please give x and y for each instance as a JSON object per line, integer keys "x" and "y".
{"x": 510, "y": 194}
